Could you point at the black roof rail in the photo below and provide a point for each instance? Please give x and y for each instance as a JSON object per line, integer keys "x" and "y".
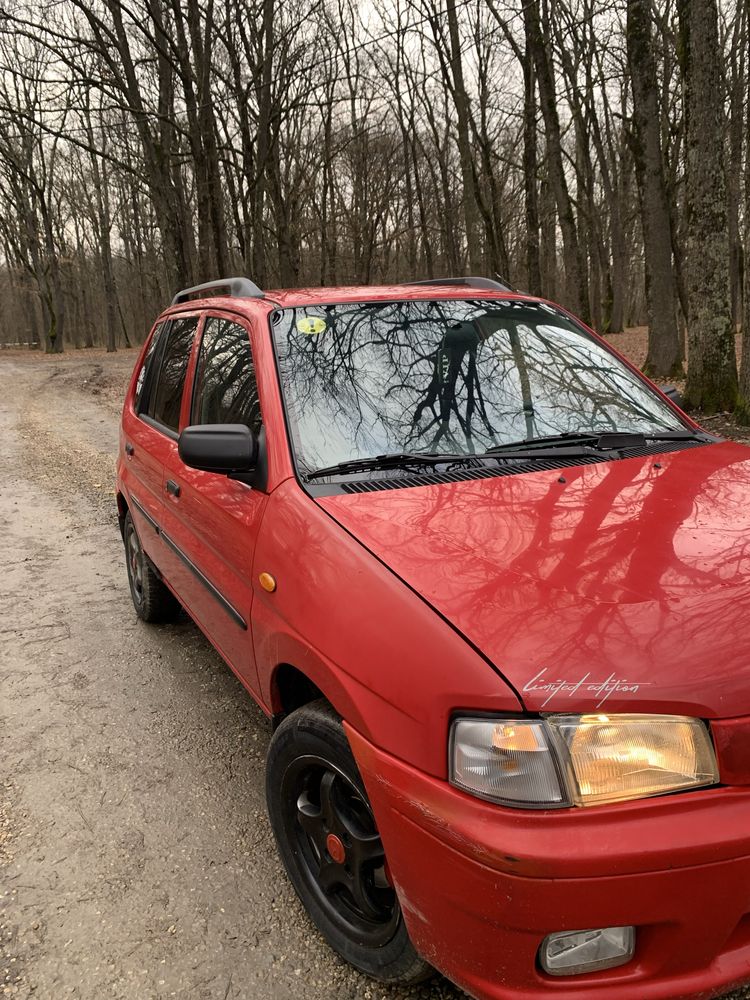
{"x": 489, "y": 284}
{"x": 239, "y": 288}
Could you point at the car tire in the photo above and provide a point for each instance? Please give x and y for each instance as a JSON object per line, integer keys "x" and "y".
{"x": 153, "y": 601}
{"x": 314, "y": 793}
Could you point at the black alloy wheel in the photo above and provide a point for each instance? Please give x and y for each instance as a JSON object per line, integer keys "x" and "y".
{"x": 152, "y": 599}
{"x": 330, "y": 845}
{"x": 135, "y": 557}
{"x": 333, "y": 829}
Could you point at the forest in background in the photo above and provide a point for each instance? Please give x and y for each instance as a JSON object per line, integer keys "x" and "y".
{"x": 592, "y": 152}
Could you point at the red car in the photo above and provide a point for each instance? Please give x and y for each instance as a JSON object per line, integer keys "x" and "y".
{"x": 493, "y": 589}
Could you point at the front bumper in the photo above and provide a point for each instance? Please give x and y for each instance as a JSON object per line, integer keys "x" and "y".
{"x": 480, "y": 885}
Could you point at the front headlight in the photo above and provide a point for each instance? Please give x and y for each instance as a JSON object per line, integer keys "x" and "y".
{"x": 580, "y": 759}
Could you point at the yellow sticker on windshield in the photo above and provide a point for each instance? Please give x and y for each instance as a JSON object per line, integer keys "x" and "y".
{"x": 311, "y": 325}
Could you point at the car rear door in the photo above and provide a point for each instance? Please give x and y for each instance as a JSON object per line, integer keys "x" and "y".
{"x": 212, "y": 519}
{"x": 140, "y": 458}
{"x": 143, "y": 447}
{"x": 150, "y": 432}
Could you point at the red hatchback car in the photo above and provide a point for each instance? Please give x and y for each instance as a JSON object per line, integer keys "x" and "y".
{"x": 493, "y": 588}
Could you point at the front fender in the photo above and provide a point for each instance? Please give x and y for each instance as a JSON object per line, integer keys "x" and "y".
{"x": 384, "y": 658}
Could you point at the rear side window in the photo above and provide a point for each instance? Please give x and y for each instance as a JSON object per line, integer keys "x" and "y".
{"x": 166, "y": 394}
{"x": 148, "y": 362}
{"x": 226, "y": 391}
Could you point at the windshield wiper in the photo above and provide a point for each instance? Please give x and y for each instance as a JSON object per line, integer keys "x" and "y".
{"x": 604, "y": 441}
{"x": 569, "y": 437}
{"x": 395, "y": 460}
{"x": 571, "y": 444}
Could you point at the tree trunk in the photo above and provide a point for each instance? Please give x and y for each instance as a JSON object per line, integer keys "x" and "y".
{"x": 745, "y": 366}
{"x": 616, "y": 318}
{"x": 263, "y": 144}
{"x": 576, "y": 291}
{"x": 664, "y": 359}
{"x": 548, "y": 239}
{"x": 712, "y": 367}
{"x": 736, "y": 85}
{"x": 101, "y": 195}
{"x": 530, "y": 181}
{"x": 471, "y": 215}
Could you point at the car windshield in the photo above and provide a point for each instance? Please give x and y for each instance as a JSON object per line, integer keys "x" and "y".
{"x": 458, "y": 376}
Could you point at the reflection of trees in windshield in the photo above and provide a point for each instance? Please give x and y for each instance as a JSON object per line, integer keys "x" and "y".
{"x": 454, "y": 380}
{"x": 449, "y": 375}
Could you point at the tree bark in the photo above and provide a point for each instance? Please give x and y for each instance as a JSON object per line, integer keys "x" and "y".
{"x": 471, "y": 214}
{"x": 712, "y": 367}
{"x": 530, "y": 179}
{"x": 745, "y": 363}
{"x": 576, "y": 291}
{"x": 664, "y": 359}
{"x": 736, "y": 84}
{"x": 548, "y": 239}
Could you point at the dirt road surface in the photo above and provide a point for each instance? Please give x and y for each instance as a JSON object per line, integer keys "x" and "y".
{"x": 136, "y": 859}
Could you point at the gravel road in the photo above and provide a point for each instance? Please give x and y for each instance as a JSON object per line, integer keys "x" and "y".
{"x": 136, "y": 860}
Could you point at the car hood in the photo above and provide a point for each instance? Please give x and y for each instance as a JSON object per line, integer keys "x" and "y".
{"x": 624, "y": 584}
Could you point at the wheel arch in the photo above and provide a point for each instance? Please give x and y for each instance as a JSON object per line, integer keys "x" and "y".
{"x": 297, "y": 680}
{"x": 122, "y": 509}
{"x": 291, "y": 688}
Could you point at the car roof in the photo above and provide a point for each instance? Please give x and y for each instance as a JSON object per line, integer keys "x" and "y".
{"x": 382, "y": 293}
{"x": 328, "y": 295}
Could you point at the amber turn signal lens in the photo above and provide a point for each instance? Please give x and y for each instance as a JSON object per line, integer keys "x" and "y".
{"x": 506, "y": 760}
{"x": 267, "y": 582}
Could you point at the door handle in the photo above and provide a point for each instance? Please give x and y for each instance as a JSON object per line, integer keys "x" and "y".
{"x": 173, "y": 488}
{"x": 129, "y": 449}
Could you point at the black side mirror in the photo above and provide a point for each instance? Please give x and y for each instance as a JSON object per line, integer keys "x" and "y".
{"x": 218, "y": 447}
{"x": 671, "y": 392}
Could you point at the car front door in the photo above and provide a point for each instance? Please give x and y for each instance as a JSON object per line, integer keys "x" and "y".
{"x": 213, "y": 519}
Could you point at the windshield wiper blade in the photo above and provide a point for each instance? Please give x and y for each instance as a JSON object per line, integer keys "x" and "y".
{"x": 602, "y": 441}
{"x": 396, "y": 460}
{"x": 566, "y": 439}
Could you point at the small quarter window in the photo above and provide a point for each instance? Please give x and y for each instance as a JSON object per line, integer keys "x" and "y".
{"x": 166, "y": 396}
{"x": 225, "y": 388}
